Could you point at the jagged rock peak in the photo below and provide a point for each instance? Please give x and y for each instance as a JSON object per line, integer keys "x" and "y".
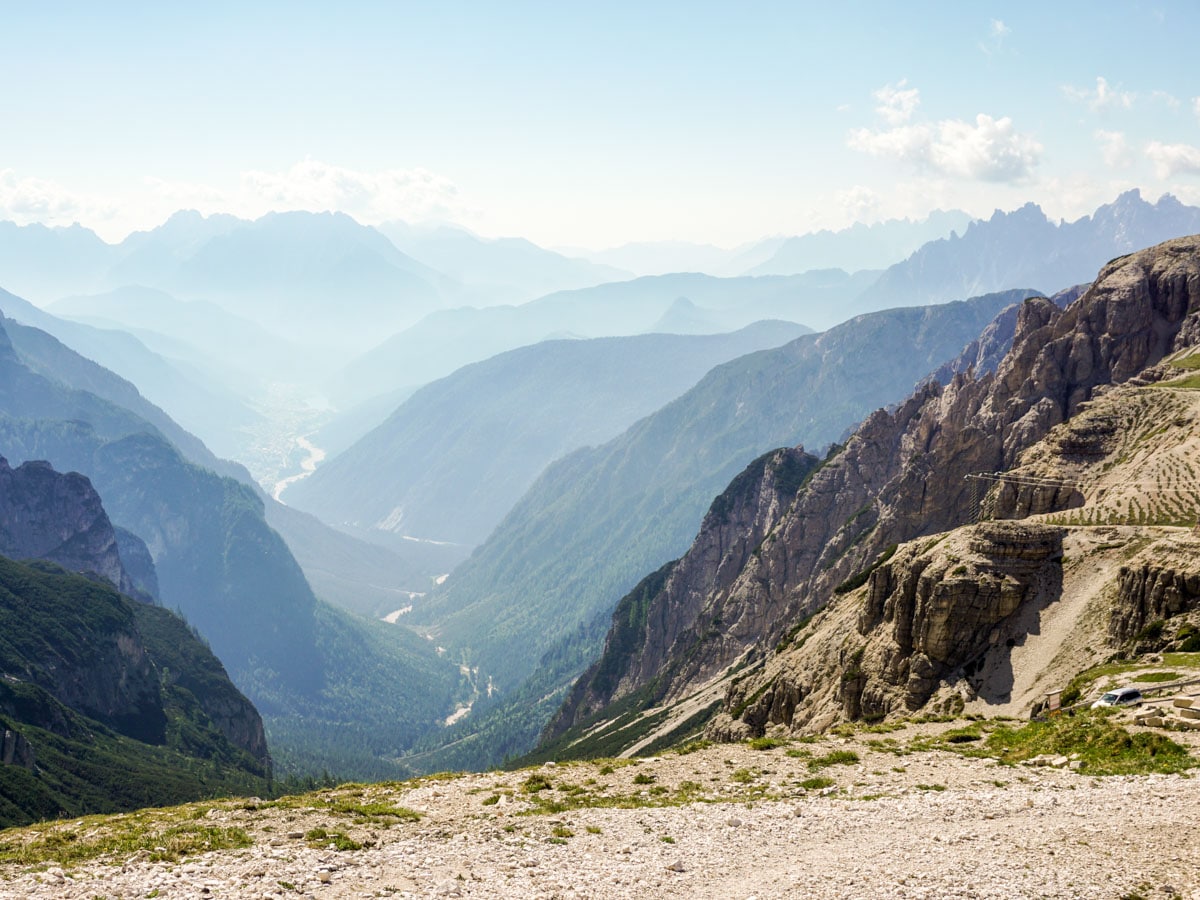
{"x": 45, "y": 514}
{"x": 673, "y": 617}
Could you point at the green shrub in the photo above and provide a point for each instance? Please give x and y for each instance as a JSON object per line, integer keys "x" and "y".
{"x": 535, "y": 783}
{"x": 766, "y": 743}
{"x": 833, "y": 758}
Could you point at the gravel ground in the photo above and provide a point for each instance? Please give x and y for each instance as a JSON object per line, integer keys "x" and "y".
{"x": 929, "y": 824}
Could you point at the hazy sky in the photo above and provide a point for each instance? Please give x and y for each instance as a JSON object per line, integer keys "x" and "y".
{"x": 593, "y": 124}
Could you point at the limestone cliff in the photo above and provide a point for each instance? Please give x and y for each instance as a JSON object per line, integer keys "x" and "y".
{"x": 675, "y": 620}
{"x": 47, "y": 515}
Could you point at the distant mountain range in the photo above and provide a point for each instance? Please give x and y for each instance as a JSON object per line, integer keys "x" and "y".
{"x": 323, "y": 280}
{"x": 861, "y": 246}
{"x": 198, "y": 399}
{"x": 1025, "y": 247}
{"x": 851, "y": 249}
{"x": 224, "y": 348}
{"x": 502, "y": 270}
{"x": 451, "y": 461}
{"x": 314, "y": 278}
{"x": 449, "y": 339}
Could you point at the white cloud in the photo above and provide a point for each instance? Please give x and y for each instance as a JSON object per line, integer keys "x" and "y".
{"x": 1196, "y": 106}
{"x": 994, "y": 43}
{"x": 415, "y": 195}
{"x": 371, "y": 197}
{"x": 1115, "y": 149}
{"x": 986, "y": 150}
{"x": 27, "y": 199}
{"x": 908, "y": 143}
{"x": 1103, "y": 98}
{"x": 861, "y": 204}
{"x": 896, "y": 102}
{"x": 1166, "y": 98}
{"x": 1173, "y": 159}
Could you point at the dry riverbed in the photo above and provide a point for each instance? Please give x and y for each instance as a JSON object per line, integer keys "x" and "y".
{"x": 868, "y": 815}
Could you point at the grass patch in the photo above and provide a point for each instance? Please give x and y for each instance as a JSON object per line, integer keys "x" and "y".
{"x": 376, "y": 812}
{"x": 92, "y": 837}
{"x": 535, "y": 783}
{"x": 742, "y": 776}
{"x": 931, "y": 787}
{"x": 833, "y": 758}
{"x": 966, "y": 735}
{"x": 1187, "y": 382}
{"x": 320, "y": 837}
{"x": 817, "y": 782}
{"x": 1188, "y": 363}
{"x": 1102, "y": 746}
{"x": 1157, "y": 676}
{"x": 765, "y": 743}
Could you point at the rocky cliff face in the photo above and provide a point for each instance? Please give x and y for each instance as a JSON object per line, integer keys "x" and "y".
{"x": 1148, "y": 593}
{"x": 675, "y": 619}
{"x": 46, "y": 515}
{"x": 934, "y": 609}
{"x": 929, "y": 615}
{"x": 902, "y": 475}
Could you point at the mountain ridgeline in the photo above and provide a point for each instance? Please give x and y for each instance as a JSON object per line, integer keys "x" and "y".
{"x": 107, "y": 702}
{"x": 832, "y": 544}
{"x": 548, "y": 577}
{"x": 454, "y": 458}
{"x": 573, "y": 492}
{"x": 217, "y": 561}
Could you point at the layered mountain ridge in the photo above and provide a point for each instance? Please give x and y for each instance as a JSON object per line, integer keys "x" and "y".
{"x": 84, "y": 666}
{"x": 454, "y": 458}
{"x": 597, "y": 519}
{"x": 215, "y": 558}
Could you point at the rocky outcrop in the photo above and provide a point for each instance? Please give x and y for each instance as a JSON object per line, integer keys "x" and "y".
{"x": 940, "y": 614}
{"x": 673, "y": 618}
{"x": 16, "y": 751}
{"x": 48, "y": 515}
{"x": 928, "y": 615}
{"x": 1148, "y": 593}
{"x": 138, "y": 564}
